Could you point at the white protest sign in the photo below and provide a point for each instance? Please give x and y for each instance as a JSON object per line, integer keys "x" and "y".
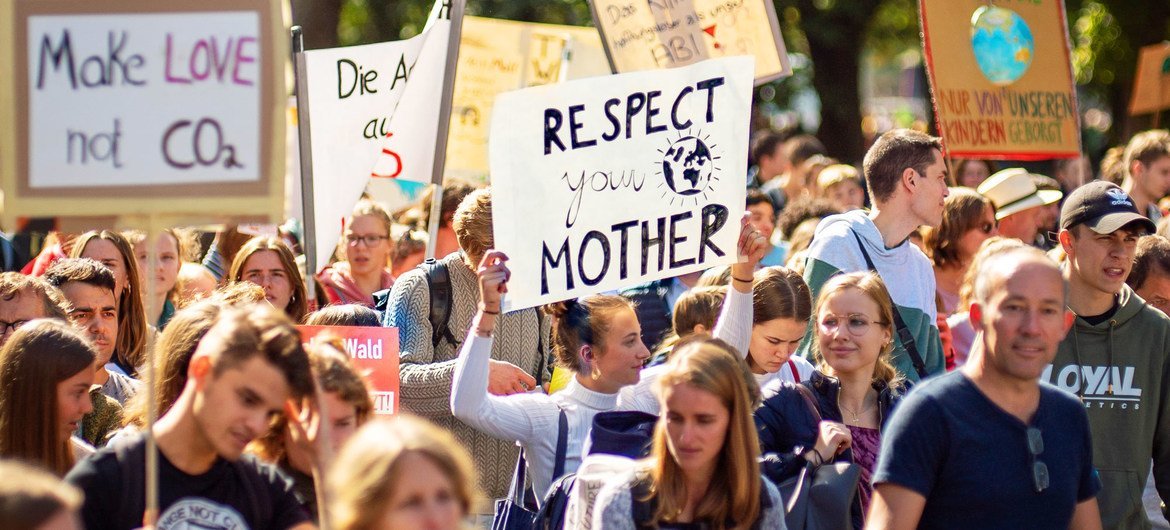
{"x": 353, "y": 92}
{"x": 606, "y": 182}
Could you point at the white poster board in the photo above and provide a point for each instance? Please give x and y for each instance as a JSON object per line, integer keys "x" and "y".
{"x": 607, "y": 182}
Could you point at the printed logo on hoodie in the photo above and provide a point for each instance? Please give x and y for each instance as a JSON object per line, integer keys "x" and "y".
{"x": 1092, "y": 382}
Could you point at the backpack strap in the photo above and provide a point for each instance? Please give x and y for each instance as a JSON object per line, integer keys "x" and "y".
{"x": 904, "y": 334}
{"x": 562, "y": 445}
{"x": 439, "y": 284}
{"x": 795, "y": 372}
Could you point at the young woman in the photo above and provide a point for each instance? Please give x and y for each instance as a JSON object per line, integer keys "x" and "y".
{"x": 854, "y": 388}
{"x": 367, "y": 249}
{"x": 597, "y": 338}
{"x": 968, "y": 220}
{"x": 401, "y": 473}
{"x": 347, "y": 403}
{"x": 169, "y": 251}
{"x": 702, "y": 472}
{"x": 47, "y": 368}
{"x": 269, "y": 263}
{"x": 781, "y": 306}
{"x": 115, "y": 252}
{"x": 972, "y": 172}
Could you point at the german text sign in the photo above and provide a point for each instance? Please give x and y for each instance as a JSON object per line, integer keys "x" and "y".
{"x": 1001, "y": 79}
{"x": 145, "y": 103}
{"x": 374, "y": 352}
{"x": 645, "y": 35}
{"x": 606, "y": 182}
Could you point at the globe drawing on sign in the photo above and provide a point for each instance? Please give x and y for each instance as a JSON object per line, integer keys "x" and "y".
{"x": 1002, "y": 43}
{"x": 687, "y": 166}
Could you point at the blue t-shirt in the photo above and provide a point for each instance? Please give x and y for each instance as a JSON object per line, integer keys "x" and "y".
{"x": 970, "y": 458}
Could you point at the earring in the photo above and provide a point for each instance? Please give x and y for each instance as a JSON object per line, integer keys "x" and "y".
{"x": 594, "y": 372}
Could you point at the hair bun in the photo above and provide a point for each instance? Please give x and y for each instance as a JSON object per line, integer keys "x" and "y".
{"x": 559, "y": 310}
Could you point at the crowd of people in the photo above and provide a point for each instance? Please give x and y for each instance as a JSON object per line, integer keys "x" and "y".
{"x": 942, "y": 343}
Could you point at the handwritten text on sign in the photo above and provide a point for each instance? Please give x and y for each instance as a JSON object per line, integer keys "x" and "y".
{"x": 144, "y": 99}
{"x": 374, "y": 352}
{"x": 618, "y": 180}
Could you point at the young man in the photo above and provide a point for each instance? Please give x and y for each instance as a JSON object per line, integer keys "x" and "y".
{"x": 907, "y": 181}
{"x": 1117, "y": 359}
{"x": 768, "y": 155}
{"x": 990, "y": 446}
{"x": 24, "y": 298}
{"x": 794, "y": 183}
{"x": 243, "y": 372}
{"x": 88, "y": 286}
{"x": 1147, "y": 170}
{"x": 1019, "y": 205}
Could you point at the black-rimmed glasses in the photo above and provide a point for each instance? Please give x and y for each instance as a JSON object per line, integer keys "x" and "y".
{"x": 1039, "y": 468}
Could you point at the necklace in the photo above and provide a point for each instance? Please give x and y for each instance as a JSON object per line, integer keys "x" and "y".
{"x": 856, "y": 414}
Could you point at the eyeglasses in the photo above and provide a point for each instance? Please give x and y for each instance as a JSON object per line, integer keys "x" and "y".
{"x": 369, "y": 241}
{"x": 9, "y": 327}
{"x": 858, "y": 325}
{"x": 1039, "y": 469}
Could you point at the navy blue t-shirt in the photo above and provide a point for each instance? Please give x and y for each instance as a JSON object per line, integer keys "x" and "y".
{"x": 970, "y": 459}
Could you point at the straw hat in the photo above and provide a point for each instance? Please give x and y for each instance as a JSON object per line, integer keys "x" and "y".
{"x": 1012, "y": 191}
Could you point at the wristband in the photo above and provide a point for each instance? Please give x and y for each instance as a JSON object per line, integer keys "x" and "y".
{"x": 749, "y": 280}
{"x": 483, "y": 309}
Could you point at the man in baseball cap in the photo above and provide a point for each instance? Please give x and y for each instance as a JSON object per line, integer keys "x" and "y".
{"x": 1117, "y": 357}
{"x": 1018, "y": 203}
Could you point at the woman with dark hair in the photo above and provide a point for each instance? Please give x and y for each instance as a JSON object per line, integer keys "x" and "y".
{"x": 855, "y": 387}
{"x": 971, "y": 172}
{"x": 47, "y": 368}
{"x": 703, "y": 471}
{"x": 366, "y": 248}
{"x": 968, "y": 220}
{"x": 269, "y": 263}
{"x": 781, "y": 307}
{"x": 116, "y": 253}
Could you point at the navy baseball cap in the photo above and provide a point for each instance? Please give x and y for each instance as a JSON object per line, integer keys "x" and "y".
{"x": 1103, "y": 207}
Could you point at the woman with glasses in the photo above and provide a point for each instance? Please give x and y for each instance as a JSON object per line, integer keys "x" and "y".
{"x": 366, "y": 248}
{"x": 269, "y": 263}
{"x": 853, "y": 390}
{"x": 968, "y": 220}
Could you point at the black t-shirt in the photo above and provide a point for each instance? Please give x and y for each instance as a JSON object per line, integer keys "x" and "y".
{"x": 1093, "y": 320}
{"x": 244, "y": 494}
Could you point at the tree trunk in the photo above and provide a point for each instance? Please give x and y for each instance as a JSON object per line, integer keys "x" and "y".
{"x": 318, "y": 19}
{"x": 836, "y": 68}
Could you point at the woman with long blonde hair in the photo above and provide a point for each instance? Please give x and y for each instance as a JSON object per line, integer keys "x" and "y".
{"x": 703, "y": 466}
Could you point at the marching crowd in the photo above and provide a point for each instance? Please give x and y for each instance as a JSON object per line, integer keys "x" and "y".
{"x": 932, "y": 344}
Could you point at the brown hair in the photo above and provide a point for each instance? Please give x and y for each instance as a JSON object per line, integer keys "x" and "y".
{"x": 239, "y": 334}
{"x": 801, "y": 210}
{"x": 35, "y": 359}
{"x": 473, "y": 223}
{"x": 802, "y": 147}
{"x": 362, "y": 479}
{"x": 1146, "y": 147}
{"x": 35, "y": 498}
{"x": 1152, "y": 257}
{"x": 131, "y": 346}
{"x": 582, "y": 321}
{"x": 871, "y": 285}
{"x": 1113, "y": 165}
{"x": 343, "y": 315}
{"x": 298, "y": 305}
{"x": 734, "y": 493}
{"x": 14, "y": 285}
{"x": 697, "y": 306}
{"x": 778, "y": 292}
{"x": 962, "y": 212}
{"x": 892, "y": 154}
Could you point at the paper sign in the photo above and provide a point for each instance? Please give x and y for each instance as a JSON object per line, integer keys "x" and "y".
{"x": 374, "y": 352}
{"x": 670, "y": 33}
{"x": 1151, "y": 86}
{"x": 125, "y": 108}
{"x": 607, "y": 182}
{"x": 500, "y": 55}
{"x": 1001, "y": 79}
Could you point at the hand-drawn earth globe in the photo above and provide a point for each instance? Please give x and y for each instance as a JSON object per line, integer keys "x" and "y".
{"x": 1002, "y": 43}
{"x": 687, "y": 166}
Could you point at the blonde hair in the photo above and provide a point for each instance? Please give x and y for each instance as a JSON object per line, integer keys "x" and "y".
{"x": 367, "y": 207}
{"x": 733, "y": 495}
{"x": 473, "y": 223}
{"x": 836, "y": 174}
{"x": 697, "y": 306}
{"x": 363, "y": 477}
{"x": 871, "y": 285}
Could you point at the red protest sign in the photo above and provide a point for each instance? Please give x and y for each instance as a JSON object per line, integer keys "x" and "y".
{"x": 375, "y": 354}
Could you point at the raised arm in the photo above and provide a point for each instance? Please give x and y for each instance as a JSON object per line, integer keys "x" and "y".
{"x": 735, "y": 319}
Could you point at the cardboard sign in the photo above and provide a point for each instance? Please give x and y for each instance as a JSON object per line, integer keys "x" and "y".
{"x": 607, "y": 182}
{"x": 671, "y": 33}
{"x": 500, "y": 55}
{"x": 375, "y": 354}
{"x": 133, "y": 108}
{"x": 1151, "y": 85}
{"x": 1000, "y": 78}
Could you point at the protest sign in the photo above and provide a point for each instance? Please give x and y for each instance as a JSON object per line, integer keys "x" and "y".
{"x": 606, "y": 182}
{"x": 374, "y": 352}
{"x": 500, "y": 55}
{"x": 1151, "y": 86}
{"x": 128, "y": 107}
{"x": 670, "y": 33}
{"x": 1000, "y": 78}
{"x": 353, "y": 94}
